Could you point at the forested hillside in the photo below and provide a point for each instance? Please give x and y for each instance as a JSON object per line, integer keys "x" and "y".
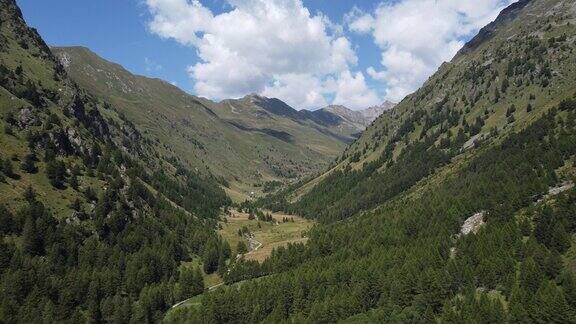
{"x": 94, "y": 224}
{"x": 516, "y": 69}
{"x": 489, "y": 140}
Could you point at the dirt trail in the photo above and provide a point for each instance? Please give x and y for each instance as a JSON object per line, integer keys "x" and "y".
{"x": 209, "y": 289}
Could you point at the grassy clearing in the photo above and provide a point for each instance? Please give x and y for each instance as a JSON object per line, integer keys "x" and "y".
{"x": 209, "y": 279}
{"x": 271, "y": 235}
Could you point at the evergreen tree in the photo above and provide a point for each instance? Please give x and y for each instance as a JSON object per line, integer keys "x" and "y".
{"x": 74, "y": 182}
{"x": 90, "y": 194}
{"x": 210, "y": 257}
{"x": 29, "y": 194}
{"x": 7, "y": 168}
{"x": 550, "y": 305}
{"x": 241, "y": 248}
{"x": 530, "y": 275}
{"x": 6, "y": 221}
{"x": 191, "y": 283}
{"x": 525, "y": 227}
{"x": 76, "y": 205}
{"x": 56, "y": 173}
{"x": 569, "y": 288}
{"x": 31, "y": 238}
{"x": 29, "y": 163}
{"x": 518, "y": 314}
{"x": 553, "y": 264}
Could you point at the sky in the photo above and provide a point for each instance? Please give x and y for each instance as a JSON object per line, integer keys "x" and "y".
{"x": 308, "y": 53}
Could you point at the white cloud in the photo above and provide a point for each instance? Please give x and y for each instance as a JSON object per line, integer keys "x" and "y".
{"x": 150, "y": 66}
{"x": 298, "y": 90}
{"x": 416, "y": 36}
{"x": 351, "y": 91}
{"x": 359, "y": 21}
{"x": 273, "y": 47}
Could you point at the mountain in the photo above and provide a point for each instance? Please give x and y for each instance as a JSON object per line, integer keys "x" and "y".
{"x": 371, "y": 113}
{"x": 359, "y": 119}
{"x": 455, "y": 206}
{"x": 342, "y": 120}
{"x": 94, "y": 222}
{"x": 246, "y": 142}
{"x": 488, "y": 91}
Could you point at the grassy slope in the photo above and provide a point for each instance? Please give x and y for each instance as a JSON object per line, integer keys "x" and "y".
{"x": 198, "y": 131}
{"x": 449, "y": 80}
{"x": 40, "y": 70}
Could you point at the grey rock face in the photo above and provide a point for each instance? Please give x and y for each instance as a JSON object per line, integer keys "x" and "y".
{"x": 26, "y": 118}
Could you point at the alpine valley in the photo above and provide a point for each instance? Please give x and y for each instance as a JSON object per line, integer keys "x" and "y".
{"x": 124, "y": 199}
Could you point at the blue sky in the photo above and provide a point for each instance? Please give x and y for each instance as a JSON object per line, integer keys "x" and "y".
{"x": 369, "y": 50}
{"x": 115, "y": 30}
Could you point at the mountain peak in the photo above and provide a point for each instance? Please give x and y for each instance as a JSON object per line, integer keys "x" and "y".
{"x": 253, "y": 97}
{"x": 356, "y": 119}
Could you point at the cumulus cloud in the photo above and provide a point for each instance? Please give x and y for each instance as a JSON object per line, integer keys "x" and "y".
{"x": 273, "y": 47}
{"x": 351, "y": 90}
{"x": 416, "y": 36}
{"x": 358, "y": 21}
{"x": 298, "y": 90}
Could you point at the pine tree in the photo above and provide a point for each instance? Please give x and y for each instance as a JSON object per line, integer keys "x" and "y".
{"x": 29, "y": 164}
{"x": 550, "y": 305}
{"x": 90, "y": 194}
{"x": 518, "y": 314}
{"x": 76, "y": 205}
{"x": 241, "y": 248}
{"x": 187, "y": 282}
{"x": 31, "y": 238}
{"x": 6, "y": 252}
{"x": 74, "y": 182}
{"x": 6, "y": 221}
{"x": 210, "y": 258}
{"x": 505, "y": 85}
{"x": 569, "y": 288}
{"x": 530, "y": 275}
{"x": 56, "y": 172}
{"x": 553, "y": 264}
{"x": 560, "y": 239}
{"x": 7, "y": 168}
{"x": 29, "y": 194}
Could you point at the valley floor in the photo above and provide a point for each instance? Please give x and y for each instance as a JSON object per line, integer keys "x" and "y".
{"x": 266, "y": 236}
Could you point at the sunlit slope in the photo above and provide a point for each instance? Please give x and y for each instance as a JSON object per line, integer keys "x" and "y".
{"x": 237, "y": 140}
{"x": 516, "y": 69}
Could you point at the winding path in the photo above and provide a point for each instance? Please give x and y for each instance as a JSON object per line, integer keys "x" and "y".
{"x": 185, "y": 300}
{"x": 254, "y": 242}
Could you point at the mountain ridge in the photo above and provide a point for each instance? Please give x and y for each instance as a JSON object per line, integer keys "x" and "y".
{"x": 79, "y": 184}
{"x": 486, "y": 92}
{"x": 247, "y": 141}
{"x": 361, "y": 118}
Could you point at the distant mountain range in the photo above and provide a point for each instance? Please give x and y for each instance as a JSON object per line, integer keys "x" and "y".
{"x": 356, "y": 120}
